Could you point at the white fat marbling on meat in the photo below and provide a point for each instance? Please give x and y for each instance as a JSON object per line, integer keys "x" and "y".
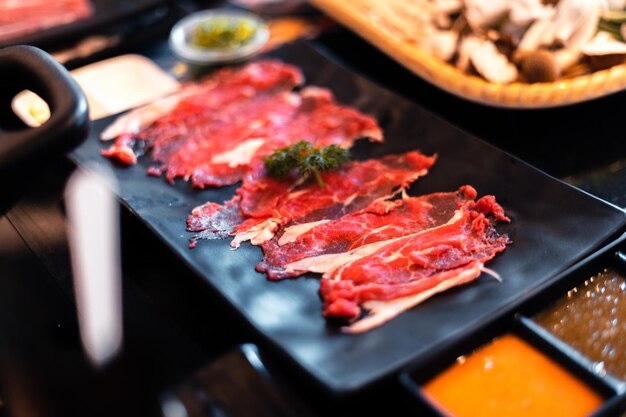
{"x": 293, "y": 232}
{"x": 380, "y": 312}
{"x": 257, "y": 234}
{"x": 329, "y": 262}
{"x": 241, "y": 155}
{"x": 138, "y": 119}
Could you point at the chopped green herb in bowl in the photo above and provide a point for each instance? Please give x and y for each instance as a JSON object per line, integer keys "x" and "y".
{"x": 222, "y": 33}
{"x": 218, "y": 36}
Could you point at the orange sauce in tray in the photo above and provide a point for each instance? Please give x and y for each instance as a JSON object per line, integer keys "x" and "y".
{"x": 508, "y": 377}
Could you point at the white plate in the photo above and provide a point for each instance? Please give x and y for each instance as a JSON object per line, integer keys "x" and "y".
{"x": 181, "y": 32}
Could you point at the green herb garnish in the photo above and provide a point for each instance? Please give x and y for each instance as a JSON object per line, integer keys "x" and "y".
{"x": 222, "y": 33}
{"x": 306, "y": 160}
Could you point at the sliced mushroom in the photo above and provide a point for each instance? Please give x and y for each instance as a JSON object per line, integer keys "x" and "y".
{"x": 588, "y": 25}
{"x": 493, "y": 65}
{"x": 573, "y": 49}
{"x": 572, "y": 26}
{"x": 571, "y": 15}
{"x": 482, "y": 14}
{"x": 524, "y": 12}
{"x": 442, "y": 44}
{"x": 604, "y": 51}
{"x": 536, "y": 34}
{"x": 467, "y": 46}
{"x": 604, "y": 44}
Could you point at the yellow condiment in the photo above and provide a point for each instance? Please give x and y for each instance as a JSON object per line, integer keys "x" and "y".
{"x": 222, "y": 33}
{"x": 508, "y": 377}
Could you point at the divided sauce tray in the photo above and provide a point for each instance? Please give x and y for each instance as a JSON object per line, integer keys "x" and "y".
{"x": 553, "y": 226}
{"x": 523, "y": 323}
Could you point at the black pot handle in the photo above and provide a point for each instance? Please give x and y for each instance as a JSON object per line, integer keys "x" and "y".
{"x": 30, "y": 68}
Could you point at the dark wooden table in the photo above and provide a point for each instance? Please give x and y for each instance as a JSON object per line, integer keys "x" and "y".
{"x": 181, "y": 348}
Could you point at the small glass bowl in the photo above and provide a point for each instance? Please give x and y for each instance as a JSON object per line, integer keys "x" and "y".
{"x": 181, "y": 33}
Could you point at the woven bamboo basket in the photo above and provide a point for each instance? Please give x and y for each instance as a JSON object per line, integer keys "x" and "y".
{"x": 446, "y": 76}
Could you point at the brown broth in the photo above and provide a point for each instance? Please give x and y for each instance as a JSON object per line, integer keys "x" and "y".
{"x": 592, "y": 319}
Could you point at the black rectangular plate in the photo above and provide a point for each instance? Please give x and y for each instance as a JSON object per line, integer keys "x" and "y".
{"x": 553, "y": 225}
{"x": 105, "y": 12}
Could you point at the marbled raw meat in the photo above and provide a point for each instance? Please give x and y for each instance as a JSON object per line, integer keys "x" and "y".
{"x": 312, "y": 115}
{"x": 408, "y": 270}
{"x": 349, "y": 188}
{"x": 218, "y": 134}
{"x": 319, "y": 247}
{"x": 167, "y": 123}
{"x": 267, "y": 203}
{"x": 24, "y": 17}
